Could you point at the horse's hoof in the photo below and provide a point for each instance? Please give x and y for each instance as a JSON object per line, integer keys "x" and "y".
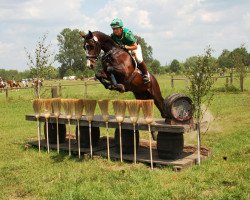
{"x": 120, "y": 88}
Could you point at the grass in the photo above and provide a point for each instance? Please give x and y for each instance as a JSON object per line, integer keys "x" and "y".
{"x": 27, "y": 174}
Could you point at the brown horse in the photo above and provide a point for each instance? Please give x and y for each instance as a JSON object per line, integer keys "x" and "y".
{"x": 119, "y": 71}
{"x": 13, "y": 84}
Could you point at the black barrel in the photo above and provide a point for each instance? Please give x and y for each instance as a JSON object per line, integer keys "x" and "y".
{"x": 127, "y": 141}
{"x": 169, "y": 145}
{"x": 179, "y": 107}
{"x": 52, "y": 132}
{"x": 84, "y": 136}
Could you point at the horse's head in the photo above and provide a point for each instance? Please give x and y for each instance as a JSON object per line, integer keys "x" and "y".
{"x": 92, "y": 48}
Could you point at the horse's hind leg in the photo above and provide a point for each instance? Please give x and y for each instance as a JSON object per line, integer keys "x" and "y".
{"x": 102, "y": 77}
{"x": 156, "y": 95}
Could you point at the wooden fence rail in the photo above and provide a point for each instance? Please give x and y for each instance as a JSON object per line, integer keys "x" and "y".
{"x": 229, "y": 80}
{"x": 56, "y": 89}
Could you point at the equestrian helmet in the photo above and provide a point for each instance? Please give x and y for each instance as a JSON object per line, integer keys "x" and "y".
{"x": 116, "y": 23}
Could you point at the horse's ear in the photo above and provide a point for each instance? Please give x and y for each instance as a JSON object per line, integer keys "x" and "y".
{"x": 90, "y": 35}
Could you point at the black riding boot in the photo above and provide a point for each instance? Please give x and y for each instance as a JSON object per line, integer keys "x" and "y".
{"x": 142, "y": 66}
{"x": 116, "y": 85}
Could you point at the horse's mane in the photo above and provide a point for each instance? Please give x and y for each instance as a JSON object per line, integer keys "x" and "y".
{"x": 106, "y": 38}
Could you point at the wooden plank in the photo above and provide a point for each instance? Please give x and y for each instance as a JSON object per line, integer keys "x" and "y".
{"x": 187, "y": 159}
{"x": 157, "y": 125}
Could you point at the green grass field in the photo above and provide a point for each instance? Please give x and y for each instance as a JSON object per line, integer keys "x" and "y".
{"x": 26, "y": 174}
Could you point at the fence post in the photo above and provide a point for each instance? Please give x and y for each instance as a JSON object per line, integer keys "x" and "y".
{"x": 226, "y": 81}
{"x": 60, "y": 89}
{"x": 36, "y": 91}
{"x": 186, "y": 83}
{"x": 6, "y": 93}
{"x": 85, "y": 89}
{"x": 172, "y": 81}
{"x": 241, "y": 82}
{"x": 231, "y": 78}
{"x": 54, "y": 92}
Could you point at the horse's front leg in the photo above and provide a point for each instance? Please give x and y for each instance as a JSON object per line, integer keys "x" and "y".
{"x": 103, "y": 78}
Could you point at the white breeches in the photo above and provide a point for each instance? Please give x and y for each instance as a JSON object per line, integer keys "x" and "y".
{"x": 138, "y": 54}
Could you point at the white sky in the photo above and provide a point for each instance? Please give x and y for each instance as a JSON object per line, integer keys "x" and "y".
{"x": 176, "y": 29}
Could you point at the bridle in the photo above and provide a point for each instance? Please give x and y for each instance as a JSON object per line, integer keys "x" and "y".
{"x": 97, "y": 47}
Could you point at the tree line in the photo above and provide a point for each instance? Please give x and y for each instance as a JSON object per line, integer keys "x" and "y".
{"x": 72, "y": 61}
{"x": 234, "y": 60}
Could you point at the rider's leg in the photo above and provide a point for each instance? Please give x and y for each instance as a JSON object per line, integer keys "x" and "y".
{"x": 120, "y": 87}
{"x": 143, "y": 68}
{"x": 141, "y": 64}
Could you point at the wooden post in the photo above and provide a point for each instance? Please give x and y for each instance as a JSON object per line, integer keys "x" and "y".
{"x": 6, "y": 93}
{"x": 38, "y": 91}
{"x": 226, "y": 81}
{"x": 35, "y": 91}
{"x": 85, "y": 89}
{"x": 60, "y": 89}
{"x": 231, "y": 78}
{"x": 54, "y": 91}
{"x": 241, "y": 83}
{"x": 172, "y": 81}
{"x": 186, "y": 80}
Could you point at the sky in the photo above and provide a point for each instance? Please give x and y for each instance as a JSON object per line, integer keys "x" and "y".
{"x": 175, "y": 29}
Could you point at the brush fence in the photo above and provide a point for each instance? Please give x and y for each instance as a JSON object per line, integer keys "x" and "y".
{"x": 169, "y": 150}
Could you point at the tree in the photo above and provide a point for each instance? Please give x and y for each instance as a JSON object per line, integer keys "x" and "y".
{"x": 147, "y": 50}
{"x": 200, "y": 75}
{"x": 155, "y": 66}
{"x": 248, "y": 60}
{"x": 71, "y": 54}
{"x": 239, "y": 58}
{"x": 43, "y": 58}
{"x": 175, "y": 66}
{"x": 52, "y": 72}
{"x": 191, "y": 61}
{"x": 224, "y": 60}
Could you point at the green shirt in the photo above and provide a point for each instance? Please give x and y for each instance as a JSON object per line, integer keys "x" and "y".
{"x": 128, "y": 37}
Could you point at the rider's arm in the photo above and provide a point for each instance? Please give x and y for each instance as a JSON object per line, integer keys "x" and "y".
{"x": 131, "y": 47}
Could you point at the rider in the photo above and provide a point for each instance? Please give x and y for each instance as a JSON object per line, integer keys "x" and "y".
{"x": 126, "y": 40}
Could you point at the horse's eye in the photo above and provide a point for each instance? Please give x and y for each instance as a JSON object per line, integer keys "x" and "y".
{"x": 88, "y": 47}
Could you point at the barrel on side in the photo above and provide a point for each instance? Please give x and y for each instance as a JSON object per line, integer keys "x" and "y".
{"x": 52, "y": 133}
{"x": 170, "y": 145}
{"x": 127, "y": 141}
{"x": 179, "y": 107}
{"x": 84, "y": 136}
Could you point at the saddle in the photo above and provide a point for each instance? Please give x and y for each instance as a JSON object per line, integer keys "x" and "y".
{"x": 108, "y": 57}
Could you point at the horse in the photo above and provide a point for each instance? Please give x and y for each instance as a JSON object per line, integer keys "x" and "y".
{"x": 119, "y": 71}
{"x": 13, "y": 84}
